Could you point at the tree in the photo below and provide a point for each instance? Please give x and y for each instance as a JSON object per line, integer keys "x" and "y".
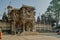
{"x": 43, "y": 18}
{"x": 38, "y": 19}
{"x": 5, "y": 18}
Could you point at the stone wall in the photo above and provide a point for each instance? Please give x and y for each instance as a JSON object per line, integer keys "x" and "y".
{"x": 4, "y": 25}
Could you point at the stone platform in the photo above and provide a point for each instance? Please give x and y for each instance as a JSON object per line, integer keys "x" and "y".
{"x": 30, "y": 33}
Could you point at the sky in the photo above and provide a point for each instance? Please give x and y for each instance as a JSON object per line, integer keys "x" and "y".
{"x": 40, "y": 5}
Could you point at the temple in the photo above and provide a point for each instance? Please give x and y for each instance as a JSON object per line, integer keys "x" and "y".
{"x": 22, "y": 19}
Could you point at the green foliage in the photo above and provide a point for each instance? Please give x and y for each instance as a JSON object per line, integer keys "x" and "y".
{"x": 5, "y": 18}
{"x": 58, "y": 27}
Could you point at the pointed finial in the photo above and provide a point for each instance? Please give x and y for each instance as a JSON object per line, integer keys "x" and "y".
{"x": 9, "y": 6}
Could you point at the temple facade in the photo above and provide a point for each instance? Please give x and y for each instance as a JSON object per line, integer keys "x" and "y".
{"x": 22, "y": 19}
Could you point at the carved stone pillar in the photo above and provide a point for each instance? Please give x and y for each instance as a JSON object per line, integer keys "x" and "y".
{"x": 13, "y": 28}
{"x": 24, "y": 26}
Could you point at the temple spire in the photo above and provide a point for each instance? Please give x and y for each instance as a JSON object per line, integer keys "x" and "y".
{"x": 9, "y": 7}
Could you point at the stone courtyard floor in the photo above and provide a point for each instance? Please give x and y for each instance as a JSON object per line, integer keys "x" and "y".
{"x": 42, "y": 36}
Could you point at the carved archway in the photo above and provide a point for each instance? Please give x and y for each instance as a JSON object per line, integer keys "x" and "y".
{"x": 19, "y": 26}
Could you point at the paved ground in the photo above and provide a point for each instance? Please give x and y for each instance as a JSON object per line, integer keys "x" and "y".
{"x": 42, "y": 36}
{"x": 51, "y": 34}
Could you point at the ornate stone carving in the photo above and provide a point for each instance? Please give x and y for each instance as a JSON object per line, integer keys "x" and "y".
{"x": 24, "y": 17}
